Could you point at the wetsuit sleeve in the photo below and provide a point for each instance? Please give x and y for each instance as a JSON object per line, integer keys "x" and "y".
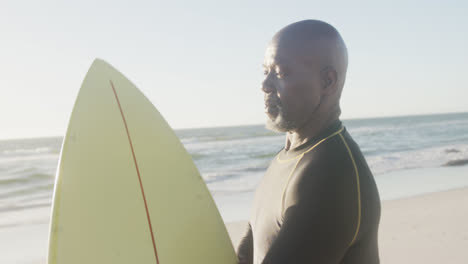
{"x": 319, "y": 222}
{"x": 245, "y": 248}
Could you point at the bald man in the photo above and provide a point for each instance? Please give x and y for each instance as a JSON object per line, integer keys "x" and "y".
{"x": 318, "y": 202}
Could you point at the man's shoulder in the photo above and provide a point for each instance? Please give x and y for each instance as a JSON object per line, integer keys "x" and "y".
{"x": 328, "y": 154}
{"x": 324, "y": 165}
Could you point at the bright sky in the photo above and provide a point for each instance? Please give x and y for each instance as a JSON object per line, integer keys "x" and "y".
{"x": 199, "y": 62}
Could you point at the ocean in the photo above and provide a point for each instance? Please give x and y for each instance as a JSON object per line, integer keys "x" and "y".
{"x": 232, "y": 160}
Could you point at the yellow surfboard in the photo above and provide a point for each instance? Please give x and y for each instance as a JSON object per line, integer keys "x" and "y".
{"x": 126, "y": 190}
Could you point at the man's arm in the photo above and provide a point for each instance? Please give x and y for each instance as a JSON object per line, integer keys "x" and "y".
{"x": 245, "y": 248}
{"x": 319, "y": 223}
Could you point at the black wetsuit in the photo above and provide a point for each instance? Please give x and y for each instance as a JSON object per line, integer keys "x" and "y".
{"x": 316, "y": 204}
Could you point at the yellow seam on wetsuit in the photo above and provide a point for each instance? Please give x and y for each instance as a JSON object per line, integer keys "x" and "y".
{"x": 300, "y": 157}
{"x": 311, "y": 148}
{"x": 358, "y": 189}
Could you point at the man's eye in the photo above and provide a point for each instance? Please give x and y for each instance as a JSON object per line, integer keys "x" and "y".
{"x": 265, "y": 72}
{"x": 280, "y": 75}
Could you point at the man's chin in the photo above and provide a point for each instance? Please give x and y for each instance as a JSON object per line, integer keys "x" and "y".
{"x": 277, "y": 124}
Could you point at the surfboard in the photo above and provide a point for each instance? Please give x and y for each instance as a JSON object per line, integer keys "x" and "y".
{"x": 126, "y": 190}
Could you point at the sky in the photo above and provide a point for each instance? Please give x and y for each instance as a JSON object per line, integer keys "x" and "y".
{"x": 199, "y": 62}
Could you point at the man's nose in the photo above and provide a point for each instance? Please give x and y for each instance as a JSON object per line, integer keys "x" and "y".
{"x": 267, "y": 85}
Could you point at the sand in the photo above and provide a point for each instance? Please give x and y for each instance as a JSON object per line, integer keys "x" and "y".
{"x": 430, "y": 228}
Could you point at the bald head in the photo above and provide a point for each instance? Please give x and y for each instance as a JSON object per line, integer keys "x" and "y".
{"x": 317, "y": 44}
{"x": 305, "y": 71}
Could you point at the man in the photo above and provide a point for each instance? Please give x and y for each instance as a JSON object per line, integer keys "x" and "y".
{"x": 318, "y": 202}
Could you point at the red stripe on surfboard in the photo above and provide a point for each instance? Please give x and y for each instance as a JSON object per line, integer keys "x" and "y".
{"x": 138, "y": 172}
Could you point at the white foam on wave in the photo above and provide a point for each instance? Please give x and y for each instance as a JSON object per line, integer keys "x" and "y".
{"x": 27, "y": 151}
{"x": 421, "y": 158}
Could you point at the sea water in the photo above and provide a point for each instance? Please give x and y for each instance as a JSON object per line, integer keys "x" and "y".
{"x": 232, "y": 161}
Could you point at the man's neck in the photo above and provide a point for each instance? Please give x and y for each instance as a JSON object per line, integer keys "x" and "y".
{"x": 311, "y": 129}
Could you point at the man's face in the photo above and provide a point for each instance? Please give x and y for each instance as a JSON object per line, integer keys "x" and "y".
{"x": 292, "y": 87}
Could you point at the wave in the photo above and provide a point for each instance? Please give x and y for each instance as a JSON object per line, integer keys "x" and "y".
{"x": 27, "y": 179}
{"x": 10, "y": 208}
{"x": 457, "y": 162}
{"x": 28, "y": 151}
{"x": 452, "y": 150}
{"x": 421, "y": 158}
{"x": 27, "y": 190}
{"x": 28, "y": 147}
{"x": 219, "y": 177}
{"x": 223, "y": 175}
{"x": 29, "y": 158}
{"x": 223, "y": 134}
{"x": 21, "y": 223}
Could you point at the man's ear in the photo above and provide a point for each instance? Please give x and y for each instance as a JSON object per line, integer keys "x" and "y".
{"x": 329, "y": 80}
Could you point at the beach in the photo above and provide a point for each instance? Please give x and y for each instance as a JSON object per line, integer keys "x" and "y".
{"x": 419, "y": 165}
{"x": 429, "y": 228}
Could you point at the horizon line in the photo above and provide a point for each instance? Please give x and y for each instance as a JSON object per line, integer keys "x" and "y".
{"x": 259, "y": 124}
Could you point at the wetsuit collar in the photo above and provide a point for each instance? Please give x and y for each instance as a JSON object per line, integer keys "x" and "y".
{"x": 334, "y": 127}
